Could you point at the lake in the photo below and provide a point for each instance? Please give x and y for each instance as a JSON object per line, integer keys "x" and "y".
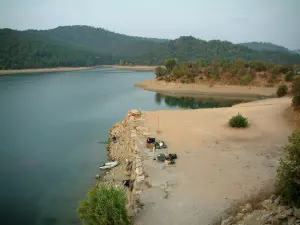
{"x": 51, "y": 124}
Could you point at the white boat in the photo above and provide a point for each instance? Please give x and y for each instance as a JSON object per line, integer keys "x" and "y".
{"x": 108, "y": 165}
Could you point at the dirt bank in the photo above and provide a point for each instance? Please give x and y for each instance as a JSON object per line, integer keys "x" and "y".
{"x": 43, "y": 70}
{"x": 205, "y": 90}
{"x": 216, "y": 164}
{"x": 125, "y": 151}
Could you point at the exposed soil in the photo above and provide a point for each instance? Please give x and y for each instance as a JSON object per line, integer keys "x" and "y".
{"x": 216, "y": 164}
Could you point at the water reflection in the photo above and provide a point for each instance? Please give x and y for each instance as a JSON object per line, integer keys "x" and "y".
{"x": 194, "y": 103}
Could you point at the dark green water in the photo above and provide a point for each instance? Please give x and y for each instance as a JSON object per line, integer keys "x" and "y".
{"x": 50, "y": 128}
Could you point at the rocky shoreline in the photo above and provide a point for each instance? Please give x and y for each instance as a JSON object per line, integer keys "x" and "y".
{"x": 126, "y": 152}
{"x": 270, "y": 211}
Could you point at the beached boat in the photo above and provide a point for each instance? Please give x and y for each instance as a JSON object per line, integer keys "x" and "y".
{"x": 108, "y": 165}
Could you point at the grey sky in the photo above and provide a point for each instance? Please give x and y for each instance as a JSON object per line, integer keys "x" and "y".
{"x": 276, "y": 21}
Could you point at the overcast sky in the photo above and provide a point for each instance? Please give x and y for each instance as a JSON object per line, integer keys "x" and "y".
{"x": 276, "y": 21}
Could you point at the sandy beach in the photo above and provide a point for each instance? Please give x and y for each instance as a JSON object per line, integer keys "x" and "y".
{"x": 216, "y": 164}
{"x": 135, "y": 67}
{"x": 65, "y": 69}
{"x": 205, "y": 90}
{"x": 44, "y": 70}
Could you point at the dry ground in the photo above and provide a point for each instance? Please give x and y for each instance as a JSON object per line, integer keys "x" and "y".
{"x": 204, "y": 89}
{"x": 216, "y": 163}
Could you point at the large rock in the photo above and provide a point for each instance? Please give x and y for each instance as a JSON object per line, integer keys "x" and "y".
{"x": 140, "y": 179}
{"x": 239, "y": 216}
{"x": 277, "y": 200}
{"x": 227, "y": 221}
{"x": 297, "y": 213}
{"x": 247, "y": 208}
{"x": 267, "y": 204}
{"x": 267, "y": 218}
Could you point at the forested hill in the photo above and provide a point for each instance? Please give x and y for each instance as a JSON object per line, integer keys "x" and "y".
{"x": 265, "y": 46}
{"x": 297, "y": 51}
{"x": 86, "y": 46}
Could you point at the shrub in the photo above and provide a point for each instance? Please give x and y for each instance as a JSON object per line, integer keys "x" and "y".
{"x": 238, "y": 121}
{"x": 170, "y": 64}
{"x": 289, "y": 76}
{"x": 160, "y": 71}
{"x": 246, "y": 79}
{"x": 296, "y": 92}
{"x": 282, "y": 90}
{"x": 288, "y": 172}
{"x": 104, "y": 205}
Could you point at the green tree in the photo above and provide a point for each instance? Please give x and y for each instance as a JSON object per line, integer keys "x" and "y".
{"x": 170, "y": 64}
{"x": 296, "y": 92}
{"x": 160, "y": 71}
{"x": 282, "y": 90}
{"x": 288, "y": 172}
{"x": 104, "y": 205}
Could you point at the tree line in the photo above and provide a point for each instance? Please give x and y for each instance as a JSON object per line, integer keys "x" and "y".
{"x": 88, "y": 46}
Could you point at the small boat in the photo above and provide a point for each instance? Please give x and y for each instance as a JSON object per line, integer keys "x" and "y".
{"x": 108, "y": 165}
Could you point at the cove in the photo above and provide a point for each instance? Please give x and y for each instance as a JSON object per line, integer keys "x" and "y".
{"x": 51, "y": 124}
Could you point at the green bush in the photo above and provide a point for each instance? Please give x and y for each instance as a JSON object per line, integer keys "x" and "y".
{"x": 296, "y": 92}
{"x": 246, "y": 79}
{"x": 160, "y": 71}
{"x": 282, "y": 90}
{"x": 289, "y": 76}
{"x": 288, "y": 172}
{"x": 104, "y": 205}
{"x": 238, "y": 121}
{"x": 170, "y": 64}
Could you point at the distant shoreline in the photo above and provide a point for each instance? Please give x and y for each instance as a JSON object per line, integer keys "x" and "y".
{"x": 66, "y": 69}
{"x": 198, "y": 90}
{"x": 135, "y": 67}
{"x": 44, "y": 70}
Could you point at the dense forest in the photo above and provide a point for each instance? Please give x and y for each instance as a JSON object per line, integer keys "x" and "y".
{"x": 87, "y": 46}
{"x": 297, "y": 51}
{"x": 265, "y": 46}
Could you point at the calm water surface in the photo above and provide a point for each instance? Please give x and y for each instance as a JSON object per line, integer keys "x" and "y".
{"x": 50, "y": 128}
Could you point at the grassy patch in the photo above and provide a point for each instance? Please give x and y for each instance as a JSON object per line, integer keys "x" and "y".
{"x": 104, "y": 205}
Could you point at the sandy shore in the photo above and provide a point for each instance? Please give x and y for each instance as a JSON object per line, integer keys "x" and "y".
{"x": 205, "y": 90}
{"x": 216, "y": 164}
{"x": 44, "y": 70}
{"x": 65, "y": 69}
{"x": 136, "y": 67}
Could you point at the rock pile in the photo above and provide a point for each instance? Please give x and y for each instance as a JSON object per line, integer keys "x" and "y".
{"x": 271, "y": 211}
{"x": 125, "y": 150}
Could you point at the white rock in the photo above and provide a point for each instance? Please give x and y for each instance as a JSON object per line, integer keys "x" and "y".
{"x": 139, "y": 171}
{"x": 239, "y": 216}
{"x": 277, "y": 200}
{"x": 247, "y": 208}
{"x": 297, "y": 213}
{"x": 140, "y": 179}
{"x": 228, "y": 221}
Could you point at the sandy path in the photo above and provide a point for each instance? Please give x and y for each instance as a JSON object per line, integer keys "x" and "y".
{"x": 216, "y": 164}
{"x": 202, "y": 89}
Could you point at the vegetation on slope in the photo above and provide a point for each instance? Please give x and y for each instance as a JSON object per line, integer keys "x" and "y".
{"x": 265, "y": 46}
{"x": 288, "y": 173}
{"x": 19, "y": 50}
{"x": 105, "y": 205}
{"x": 238, "y": 72}
{"x": 296, "y": 92}
{"x": 83, "y": 46}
